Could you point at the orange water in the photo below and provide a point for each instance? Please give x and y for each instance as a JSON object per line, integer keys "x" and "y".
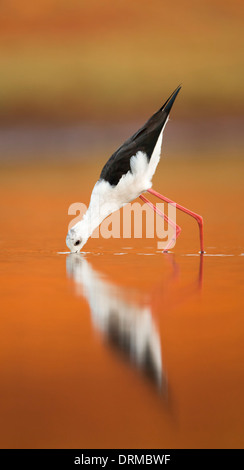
{"x": 122, "y": 346}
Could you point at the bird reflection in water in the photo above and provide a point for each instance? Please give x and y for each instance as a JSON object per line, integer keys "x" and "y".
{"x": 125, "y": 324}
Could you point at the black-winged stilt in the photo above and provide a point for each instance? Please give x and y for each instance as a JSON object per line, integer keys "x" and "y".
{"x": 126, "y": 175}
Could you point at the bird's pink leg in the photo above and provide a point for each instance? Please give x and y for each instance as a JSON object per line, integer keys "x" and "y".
{"x": 169, "y": 221}
{"x": 198, "y": 218}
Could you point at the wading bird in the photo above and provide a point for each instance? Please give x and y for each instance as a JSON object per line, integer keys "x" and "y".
{"x": 126, "y": 175}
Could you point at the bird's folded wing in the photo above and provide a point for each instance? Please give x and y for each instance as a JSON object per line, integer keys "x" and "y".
{"x": 143, "y": 140}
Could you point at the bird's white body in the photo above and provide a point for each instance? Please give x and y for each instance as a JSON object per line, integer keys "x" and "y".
{"x": 125, "y": 176}
{"x": 106, "y": 199}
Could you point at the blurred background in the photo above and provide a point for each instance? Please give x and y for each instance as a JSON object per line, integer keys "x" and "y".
{"x": 84, "y": 73}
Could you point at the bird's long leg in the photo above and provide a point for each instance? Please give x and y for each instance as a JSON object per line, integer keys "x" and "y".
{"x": 169, "y": 221}
{"x": 198, "y": 218}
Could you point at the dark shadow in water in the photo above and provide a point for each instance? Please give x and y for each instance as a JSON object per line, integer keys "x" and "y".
{"x": 125, "y": 324}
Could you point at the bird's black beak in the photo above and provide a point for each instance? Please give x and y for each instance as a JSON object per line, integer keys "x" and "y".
{"x": 170, "y": 101}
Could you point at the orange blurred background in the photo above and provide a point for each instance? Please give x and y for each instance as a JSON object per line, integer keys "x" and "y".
{"x": 79, "y": 60}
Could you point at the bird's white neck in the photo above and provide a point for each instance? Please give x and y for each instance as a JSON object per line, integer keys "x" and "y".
{"x": 97, "y": 211}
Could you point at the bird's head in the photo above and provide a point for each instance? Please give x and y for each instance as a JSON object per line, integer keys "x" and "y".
{"x": 77, "y": 237}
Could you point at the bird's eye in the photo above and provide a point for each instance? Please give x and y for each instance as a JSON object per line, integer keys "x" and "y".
{"x": 77, "y": 243}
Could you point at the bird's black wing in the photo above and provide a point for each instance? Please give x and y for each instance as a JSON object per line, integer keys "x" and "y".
{"x": 143, "y": 140}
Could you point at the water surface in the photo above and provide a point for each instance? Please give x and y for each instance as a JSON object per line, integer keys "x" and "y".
{"x": 122, "y": 346}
